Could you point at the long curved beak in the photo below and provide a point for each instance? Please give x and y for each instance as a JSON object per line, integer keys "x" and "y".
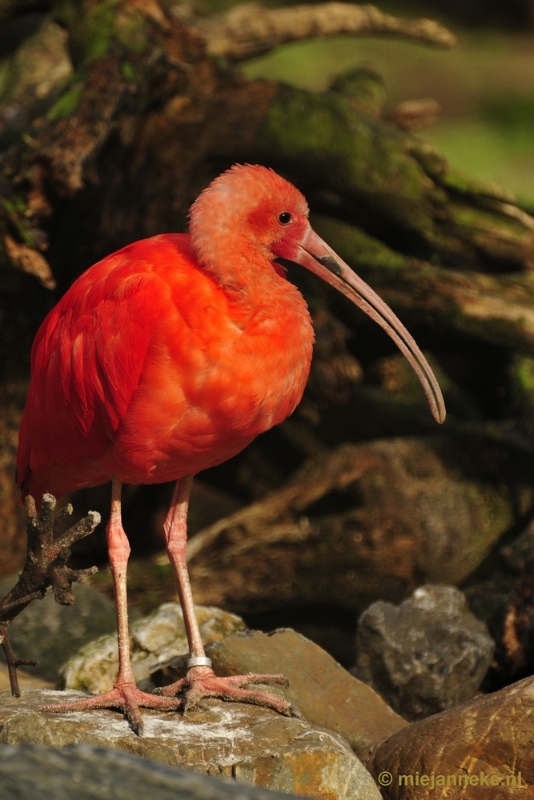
{"x": 315, "y": 255}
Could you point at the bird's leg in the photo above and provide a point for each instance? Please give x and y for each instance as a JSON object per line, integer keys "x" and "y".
{"x": 125, "y": 695}
{"x": 201, "y": 680}
{"x": 175, "y": 528}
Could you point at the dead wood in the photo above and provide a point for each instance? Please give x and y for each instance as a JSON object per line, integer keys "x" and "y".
{"x": 363, "y": 522}
{"x": 249, "y": 30}
{"x": 45, "y": 566}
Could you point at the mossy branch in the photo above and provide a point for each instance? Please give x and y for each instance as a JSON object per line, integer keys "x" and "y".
{"x": 372, "y": 172}
{"x": 498, "y": 309}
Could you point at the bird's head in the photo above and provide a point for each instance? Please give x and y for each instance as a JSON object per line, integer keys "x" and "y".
{"x": 252, "y": 210}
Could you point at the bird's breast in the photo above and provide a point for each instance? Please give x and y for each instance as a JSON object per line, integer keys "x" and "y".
{"x": 214, "y": 381}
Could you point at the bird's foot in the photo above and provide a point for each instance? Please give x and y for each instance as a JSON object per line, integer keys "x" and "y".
{"x": 202, "y": 682}
{"x": 125, "y": 697}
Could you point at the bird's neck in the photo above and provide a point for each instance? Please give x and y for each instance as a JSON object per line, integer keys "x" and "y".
{"x": 247, "y": 277}
{"x": 236, "y": 266}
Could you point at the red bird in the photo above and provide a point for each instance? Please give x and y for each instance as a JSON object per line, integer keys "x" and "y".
{"x": 170, "y": 356}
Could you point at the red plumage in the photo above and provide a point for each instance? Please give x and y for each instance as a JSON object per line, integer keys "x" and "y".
{"x": 170, "y": 356}
{"x": 147, "y": 370}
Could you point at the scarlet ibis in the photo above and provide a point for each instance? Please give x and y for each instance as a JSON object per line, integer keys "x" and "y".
{"x": 170, "y": 356}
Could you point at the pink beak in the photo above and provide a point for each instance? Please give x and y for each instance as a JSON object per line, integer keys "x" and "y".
{"x": 314, "y": 254}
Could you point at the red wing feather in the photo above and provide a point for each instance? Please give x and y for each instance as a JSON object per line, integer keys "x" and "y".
{"x": 87, "y": 359}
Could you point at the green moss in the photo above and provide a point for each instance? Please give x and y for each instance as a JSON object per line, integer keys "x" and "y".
{"x": 103, "y": 30}
{"x": 128, "y": 72}
{"x": 359, "y": 157}
{"x": 357, "y": 247}
{"x": 14, "y": 205}
{"x": 431, "y": 294}
{"x": 14, "y": 209}
{"x": 521, "y": 374}
{"x": 100, "y": 31}
{"x": 90, "y": 30}
{"x": 476, "y": 220}
{"x": 524, "y": 373}
{"x": 364, "y": 87}
{"x": 433, "y": 163}
{"x": 66, "y": 105}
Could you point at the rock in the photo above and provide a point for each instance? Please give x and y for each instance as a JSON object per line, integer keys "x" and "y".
{"x": 363, "y": 523}
{"x": 51, "y": 633}
{"x": 153, "y": 640}
{"x": 486, "y": 742}
{"x": 87, "y": 772}
{"x": 427, "y": 655}
{"x": 251, "y": 744}
{"x": 321, "y": 689}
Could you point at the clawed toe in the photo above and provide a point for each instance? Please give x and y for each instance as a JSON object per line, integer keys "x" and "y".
{"x": 126, "y": 698}
{"x": 201, "y": 682}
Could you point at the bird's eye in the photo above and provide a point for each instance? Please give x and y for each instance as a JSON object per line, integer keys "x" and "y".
{"x": 284, "y": 217}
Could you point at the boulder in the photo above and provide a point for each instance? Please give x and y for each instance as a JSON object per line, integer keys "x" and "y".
{"x": 427, "y": 655}
{"x": 320, "y": 688}
{"x": 253, "y": 745}
{"x": 484, "y": 743}
{"x": 91, "y": 773}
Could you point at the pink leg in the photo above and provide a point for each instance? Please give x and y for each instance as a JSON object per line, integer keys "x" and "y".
{"x": 125, "y": 695}
{"x": 200, "y": 680}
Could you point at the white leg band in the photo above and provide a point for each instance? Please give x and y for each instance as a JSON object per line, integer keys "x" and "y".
{"x": 198, "y": 661}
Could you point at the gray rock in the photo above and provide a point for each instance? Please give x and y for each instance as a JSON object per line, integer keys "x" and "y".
{"x": 251, "y": 744}
{"x": 153, "y": 640}
{"x": 92, "y": 773}
{"x": 427, "y": 655}
{"x": 51, "y": 633}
